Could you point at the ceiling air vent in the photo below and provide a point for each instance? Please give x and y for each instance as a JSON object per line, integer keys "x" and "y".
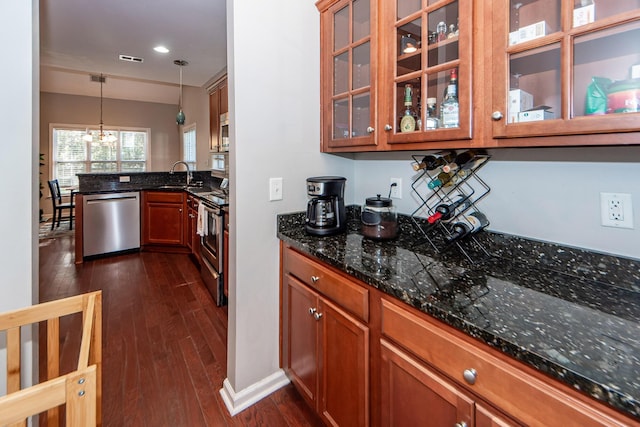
{"x": 130, "y": 58}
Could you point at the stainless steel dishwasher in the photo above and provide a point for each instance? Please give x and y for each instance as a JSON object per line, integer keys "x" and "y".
{"x": 110, "y": 222}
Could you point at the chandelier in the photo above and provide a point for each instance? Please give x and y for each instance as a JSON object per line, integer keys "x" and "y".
{"x": 102, "y": 137}
{"x": 180, "y": 118}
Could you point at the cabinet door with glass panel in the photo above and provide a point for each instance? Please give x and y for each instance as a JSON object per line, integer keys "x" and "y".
{"x": 426, "y": 50}
{"x": 348, "y": 69}
{"x": 566, "y": 67}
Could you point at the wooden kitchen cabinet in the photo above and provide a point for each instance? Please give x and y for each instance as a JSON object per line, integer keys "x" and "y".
{"x": 371, "y": 50}
{"x": 552, "y": 53}
{"x": 218, "y": 104}
{"x": 509, "y": 55}
{"x": 488, "y": 376}
{"x": 413, "y": 394}
{"x": 163, "y": 221}
{"x": 326, "y": 344}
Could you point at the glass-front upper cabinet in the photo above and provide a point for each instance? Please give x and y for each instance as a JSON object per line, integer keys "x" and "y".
{"x": 426, "y": 61}
{"x": 348, "y": 70}
{"x": 566, "y": 67}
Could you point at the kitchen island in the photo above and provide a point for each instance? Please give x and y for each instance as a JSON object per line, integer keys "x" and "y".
{"x": 569, "y": 314}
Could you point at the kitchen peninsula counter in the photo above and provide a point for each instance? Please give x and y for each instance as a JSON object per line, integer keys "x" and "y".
{"x": 566, "y": 312}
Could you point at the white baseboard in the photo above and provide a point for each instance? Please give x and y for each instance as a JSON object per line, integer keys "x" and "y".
{"x": 236, "y": 402}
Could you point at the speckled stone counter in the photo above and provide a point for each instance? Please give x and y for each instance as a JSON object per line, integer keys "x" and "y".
{"x": 92, "y": 183}
{"x": 570, "y": 313}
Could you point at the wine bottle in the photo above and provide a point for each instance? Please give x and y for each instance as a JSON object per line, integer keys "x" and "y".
{"x": 450, "y": 108}
{"x": 435, "y": 160}
{"x": 445, "y": 211}
{"x": 408, "y": 118}
{"x": 467, "y": 160}
{"x": 471, "y": 224}
{"x": 442, "y": 180}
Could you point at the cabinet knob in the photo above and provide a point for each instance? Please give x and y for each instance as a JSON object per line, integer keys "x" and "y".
{"x": 180, "y": 210}
{"x": 461, "y": 424}
{"x": 314, "y": 279}
{"x": 388, "y": 127}
{"x": 470, "y": 376}
{"x": 317, "y": 316}
{"x": 312, "y": 310}
{"x": 370, "y": 129}
{"x": 497, "y": 115}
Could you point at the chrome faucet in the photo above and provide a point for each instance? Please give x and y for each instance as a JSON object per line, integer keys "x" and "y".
{"x": 189, "y": 175}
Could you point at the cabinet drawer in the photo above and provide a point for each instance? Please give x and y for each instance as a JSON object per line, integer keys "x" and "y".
{"x": 164, "y": 197}
{"x": 519, "y": 394}
{"x": 350, "y": 296}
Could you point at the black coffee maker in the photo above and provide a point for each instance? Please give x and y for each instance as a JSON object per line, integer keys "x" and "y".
{"x": 326, "y": 214}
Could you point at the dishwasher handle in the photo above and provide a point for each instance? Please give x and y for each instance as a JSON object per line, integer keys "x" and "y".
{"x": 110, "y": 199}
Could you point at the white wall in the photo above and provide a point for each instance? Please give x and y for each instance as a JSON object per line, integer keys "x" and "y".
{"x": 19, "y": 172}
{"x": 549, "y": 194}
{"x": 273, "y": 64}
{"x": 196, "y": 110}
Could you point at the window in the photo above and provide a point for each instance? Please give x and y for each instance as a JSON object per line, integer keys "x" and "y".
{"x": 189, "y": 146}
{"x": 72, "y": 154}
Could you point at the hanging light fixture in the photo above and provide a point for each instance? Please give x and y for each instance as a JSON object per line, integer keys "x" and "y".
{"x": 102, "y": 137}
{"x": 180, "y": 118}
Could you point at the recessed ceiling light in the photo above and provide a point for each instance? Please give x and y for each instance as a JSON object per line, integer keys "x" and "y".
{"x": 161, "y": 49}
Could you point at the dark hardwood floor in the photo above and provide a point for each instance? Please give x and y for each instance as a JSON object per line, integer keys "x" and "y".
{"x": 164, "y": 341}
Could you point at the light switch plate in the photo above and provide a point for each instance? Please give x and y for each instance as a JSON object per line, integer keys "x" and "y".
{"x": 275, "y": 189}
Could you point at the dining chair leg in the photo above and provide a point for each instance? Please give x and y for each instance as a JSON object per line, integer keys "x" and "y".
{"x": 71, "y": 219}
{"x": 53, "y": 223}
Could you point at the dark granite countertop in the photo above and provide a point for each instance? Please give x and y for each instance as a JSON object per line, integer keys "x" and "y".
{"x": 100, "y": 183}
{"x": 570, "y": 313}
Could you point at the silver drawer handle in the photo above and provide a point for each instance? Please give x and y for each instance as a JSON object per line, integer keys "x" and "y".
{"x": 470, "y": 376}
{"x": 312, "y": 310}
{"x": 314, "y": 279}
{"x": 317, "y": 316}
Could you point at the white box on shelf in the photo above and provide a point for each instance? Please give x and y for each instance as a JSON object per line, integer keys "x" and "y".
{"x": 519, "y": 100}
{"x": 635, "y": 71}
{"x": 584, "y": 15}
{"x": 535, "y": 115}
{"x": 527, "y": 33}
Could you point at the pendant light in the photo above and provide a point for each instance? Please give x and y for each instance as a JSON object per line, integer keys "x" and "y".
{"x": 102, "y": 137}
{"x": 180, "y": 118}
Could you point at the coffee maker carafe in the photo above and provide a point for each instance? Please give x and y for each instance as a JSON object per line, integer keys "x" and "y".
{"x": 326, "y": 214}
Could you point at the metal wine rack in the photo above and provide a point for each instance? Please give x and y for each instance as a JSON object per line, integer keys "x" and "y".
{"x": 464, "y": 183}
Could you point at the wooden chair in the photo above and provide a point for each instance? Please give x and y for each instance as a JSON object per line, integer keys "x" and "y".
{"x": 58, "y": 206}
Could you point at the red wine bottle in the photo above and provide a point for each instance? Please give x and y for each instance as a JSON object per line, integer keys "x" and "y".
{"x": 445, "y": 211}
{"x": 471, "y": 224}
{"x": 435, "y": 160}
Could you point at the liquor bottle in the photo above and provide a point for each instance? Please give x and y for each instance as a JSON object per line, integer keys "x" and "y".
{"x": 441, "y": 31}
{"x": 471, "y": 224}
{"x": 450, "y": 109}
{"x": 445, "y": 211}
{"x": 452, "y": 31}
{"x": 467, "y": 160}
{"x": 435, "y": 160}
{"x": 432, "y": 121}
{"x": 408, "y": 118}
{"x": 419, "y": 114}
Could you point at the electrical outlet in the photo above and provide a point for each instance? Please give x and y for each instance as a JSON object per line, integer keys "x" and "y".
{"x": 616, "y": 210}
{"x": 396, "y": 190}
{"x": 275, "y": 189}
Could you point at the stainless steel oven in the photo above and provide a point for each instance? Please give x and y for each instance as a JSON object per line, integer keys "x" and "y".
{"x": 212, "y": 252}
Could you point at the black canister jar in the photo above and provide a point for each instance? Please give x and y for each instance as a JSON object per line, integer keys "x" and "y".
{"x": 379, "y": 219}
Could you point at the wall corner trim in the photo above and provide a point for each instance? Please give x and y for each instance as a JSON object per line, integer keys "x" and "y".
{"x": 236, "y": 402}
